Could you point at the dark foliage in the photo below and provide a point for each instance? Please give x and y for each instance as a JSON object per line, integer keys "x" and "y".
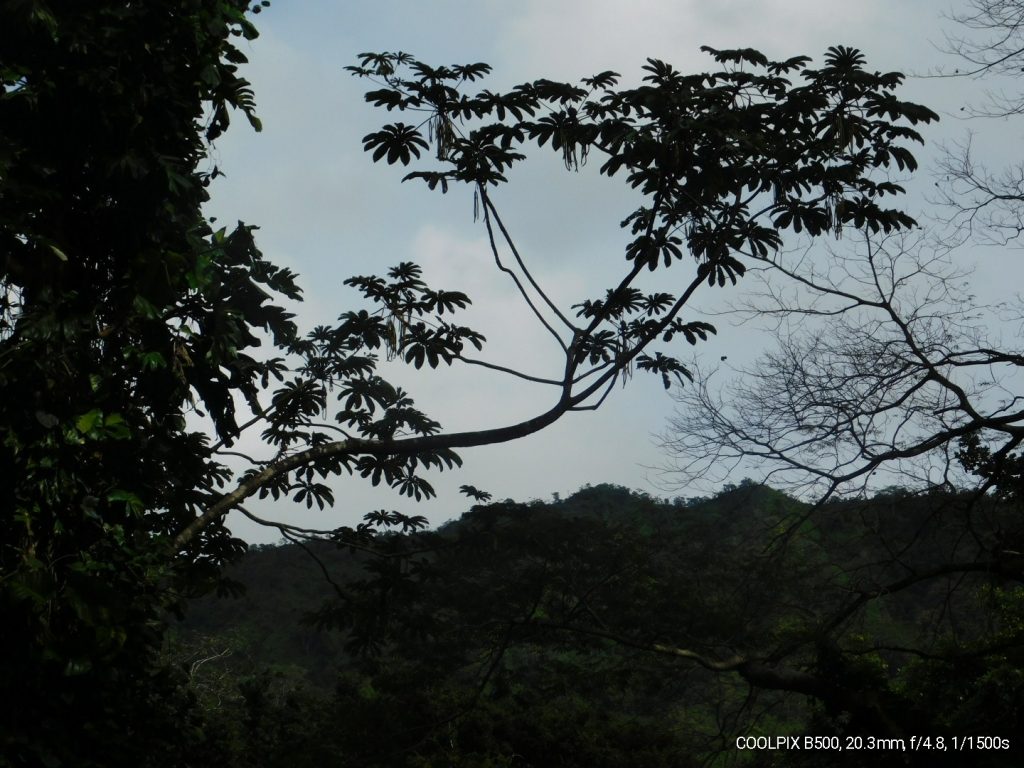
{"x": 122, "y": 309}
{"x": 614, "y": 629}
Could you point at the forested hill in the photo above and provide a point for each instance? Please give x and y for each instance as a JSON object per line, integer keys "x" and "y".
{"x": 274, "y": 591}
{"x": 611, "y": 628}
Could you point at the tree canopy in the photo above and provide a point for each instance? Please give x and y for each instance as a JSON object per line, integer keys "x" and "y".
{"x": 611, "y": 628}
{"x": 122, "y": 310}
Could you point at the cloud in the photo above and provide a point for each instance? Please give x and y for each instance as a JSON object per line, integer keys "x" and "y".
{"x": 575, "y": 38}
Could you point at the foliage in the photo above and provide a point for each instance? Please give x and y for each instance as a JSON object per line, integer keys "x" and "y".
{"x": 123, "y": 311}
{"x": 614, "y": 629}
{"x": 725, "y": 162}
{"x": 429, "y": 693}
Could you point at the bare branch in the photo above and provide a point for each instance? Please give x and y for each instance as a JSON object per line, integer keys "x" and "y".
{"x": 881, "y": 363}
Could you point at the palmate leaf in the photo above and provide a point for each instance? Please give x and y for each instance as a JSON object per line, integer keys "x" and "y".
{"x": 742, "y": 55}
{"x": 442, "y": 459}
{"x": 602, "y": 80}
{"x": 445, "y": 301}
{"x": 366, "y": 394}
{"x": 692, "y": 331}
{"x": 842, "y": 57}
{"x": 382, "y": 518}
{"x": 721, "y": 269}
{"x": 668, "y": 367}
{"x": 621, "y": 301}
{"x": 314, "y": 493}
{"x": 391, "y": 99}
{"x": 597, "y": 347}
{"x": 474, "y": 493}
{"x": 406, "y": 273}
{"x": 398, "y": 142}
{"x": 661, "y": 72}
{"x": 471, "y": 72}
{"x": 396, "y": 419}
{"x": 415, "y": 487}
{"x": 433, "y": 178}
{"x": 380, "y": 63}
{"x": 363, "y": 328}
{"x": 657, "y": 303}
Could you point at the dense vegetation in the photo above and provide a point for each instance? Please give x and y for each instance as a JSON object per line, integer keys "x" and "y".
{"x": 614, "y": 629}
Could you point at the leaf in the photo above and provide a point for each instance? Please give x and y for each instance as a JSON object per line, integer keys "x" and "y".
{"x": 114, "y": 427}
{"x": 131, "y": 500}
{"x": 87, "y": 422}
{"x": 48, "y": 420}
{"x": 398, "y": 142}
{"x": 602, "y": 80}
{"x": 474, "y": 493}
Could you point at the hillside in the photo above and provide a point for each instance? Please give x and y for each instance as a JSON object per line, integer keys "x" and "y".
{"x": 611, "y": 628}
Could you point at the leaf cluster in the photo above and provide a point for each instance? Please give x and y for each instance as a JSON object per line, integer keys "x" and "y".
{"x": 726, "y": 162}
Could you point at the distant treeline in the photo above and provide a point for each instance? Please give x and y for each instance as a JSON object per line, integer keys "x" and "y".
{"x": 611, "y": 628}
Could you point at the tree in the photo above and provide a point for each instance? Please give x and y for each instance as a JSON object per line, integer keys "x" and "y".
{"x": 888, "y": 370}
{"x": 725, "y": 163}
{"x": 883, "y": 366}
{"x": 886, "y": 364}
{"x": 123, "y": 311}
{"x": 614, "y": 629}
{"x": 989, "y": 45}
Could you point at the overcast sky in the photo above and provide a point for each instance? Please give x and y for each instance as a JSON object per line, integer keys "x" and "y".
{"x": 326, "y": 211}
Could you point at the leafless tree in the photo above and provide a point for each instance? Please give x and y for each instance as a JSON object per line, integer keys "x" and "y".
{"x": 988, "y": 42}
{"x": 988, "y": 46}
{"x": 884, "y": 364}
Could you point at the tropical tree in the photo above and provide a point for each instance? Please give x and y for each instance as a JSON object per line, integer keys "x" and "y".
{"x": 724, "y": 163}
{"x": 123, "y": 310}
{"x": 888, "y": 371}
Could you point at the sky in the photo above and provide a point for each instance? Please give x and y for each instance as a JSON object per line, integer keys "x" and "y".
{"x": 327, "y": 212}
